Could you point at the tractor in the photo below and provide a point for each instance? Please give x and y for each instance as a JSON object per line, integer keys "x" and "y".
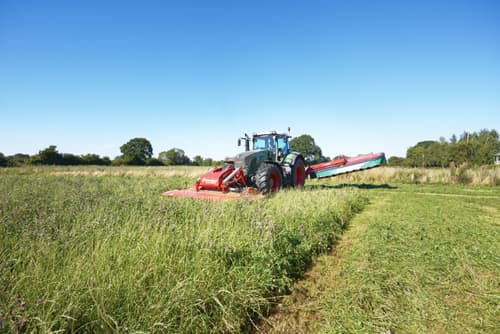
{"x": 266, "y": 165}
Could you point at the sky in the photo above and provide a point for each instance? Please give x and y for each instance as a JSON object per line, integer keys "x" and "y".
{"x": 358, "y": 76}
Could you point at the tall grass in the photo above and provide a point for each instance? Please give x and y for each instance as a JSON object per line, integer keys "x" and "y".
{"x": 485, "y": 175}
{"x": 153, "y": 171}
{"x": 108, "y": 254}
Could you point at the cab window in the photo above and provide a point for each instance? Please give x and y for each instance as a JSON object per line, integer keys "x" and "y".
{"x": 283, "y": 145}
{"x": 259, "y": 143}
{"x": 264, "y": 143}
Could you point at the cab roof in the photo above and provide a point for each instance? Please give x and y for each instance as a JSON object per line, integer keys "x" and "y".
{"x": 270, "y": 133}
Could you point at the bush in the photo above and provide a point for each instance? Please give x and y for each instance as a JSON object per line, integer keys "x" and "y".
{"x": 462, "y": 175}
{"x": 154, "y": 162}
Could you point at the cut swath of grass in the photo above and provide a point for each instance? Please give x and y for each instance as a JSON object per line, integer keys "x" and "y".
{"x": 425, "y": 261}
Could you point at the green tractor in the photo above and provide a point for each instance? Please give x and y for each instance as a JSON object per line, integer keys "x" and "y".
{"x": 267, "y": 164}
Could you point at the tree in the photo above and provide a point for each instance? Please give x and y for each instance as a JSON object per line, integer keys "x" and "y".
{"x": 136, "y": 151}
{"x": 476, "y": 148}
{"x": 198, "y": 160}
{"x": 209, "y": 162}
{"x": 415, "y": 156}
{"x": 106, "y": 161}
{"x": 120, "y": 160}
{"x": 3, "y": 160}
{"x": 396, "y": 161}
{"x": 18, "y": 159}
{"x": 48, "y": 156}
{"x": 428, "y": 153}
{"x": 71, "y": 159}
{"x": 307, "y": 147}
{"x": 486, "y": 145}
{"x": 93, "y": 159}
{"x": 126, "y": 160}
{"x": 174, "y": 157}
{"x": 154, "y": 162}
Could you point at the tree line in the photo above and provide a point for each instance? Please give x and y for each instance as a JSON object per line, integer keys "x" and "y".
{"x": 473, "y": 148}
{"x": 136, "y": 152}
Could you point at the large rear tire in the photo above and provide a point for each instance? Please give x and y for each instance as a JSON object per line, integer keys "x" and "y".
{"x": 298, "y": 173}
{"x": 268, "y": 178}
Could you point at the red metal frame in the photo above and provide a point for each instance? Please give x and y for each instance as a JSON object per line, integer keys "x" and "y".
{"x": 217, "y": 179}
{"x": 239, "y": 177}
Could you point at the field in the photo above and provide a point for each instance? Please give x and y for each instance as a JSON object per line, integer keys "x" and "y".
{"x": 418, "y": 259}
{"x": 94, "y": 249}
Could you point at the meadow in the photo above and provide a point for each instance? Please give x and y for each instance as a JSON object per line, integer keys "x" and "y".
{"x": 485, "y": 175}
{"x": 109, "y": 254}
{"x": 96, "y": 249}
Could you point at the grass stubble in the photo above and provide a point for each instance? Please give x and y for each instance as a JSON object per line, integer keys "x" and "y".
{"x": 419, "y": 259}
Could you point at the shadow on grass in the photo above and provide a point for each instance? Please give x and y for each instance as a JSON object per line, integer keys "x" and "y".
{"x": 351, "y": 185}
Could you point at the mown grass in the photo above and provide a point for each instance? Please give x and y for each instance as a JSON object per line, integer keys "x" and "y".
{"x": 421, "y": 259}
{"x": 108, "y": 254}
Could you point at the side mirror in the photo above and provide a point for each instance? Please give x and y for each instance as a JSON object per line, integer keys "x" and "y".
{"x": 239, "y": 142}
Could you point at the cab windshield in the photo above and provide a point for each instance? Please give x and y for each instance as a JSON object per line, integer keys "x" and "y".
{"x": 264, "y": 143}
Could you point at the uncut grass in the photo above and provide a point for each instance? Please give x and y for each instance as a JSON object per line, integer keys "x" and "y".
{"x": 101, "y": 254}
{"x": 422, "y": 264}
{"x": 153, "y": 171}
{"x": 484, "y": 175}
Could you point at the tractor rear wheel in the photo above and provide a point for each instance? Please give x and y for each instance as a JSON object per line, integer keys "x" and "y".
{"x": 268, "y": 178}
{"x": 298, "y": 173}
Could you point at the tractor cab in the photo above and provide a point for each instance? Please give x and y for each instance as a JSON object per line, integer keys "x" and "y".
{"x": 275, "y": 143}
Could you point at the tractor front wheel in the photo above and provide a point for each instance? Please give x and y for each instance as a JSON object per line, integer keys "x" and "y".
{"x": 268, "y": 178}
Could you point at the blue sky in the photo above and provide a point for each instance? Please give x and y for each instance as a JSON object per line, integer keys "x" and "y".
{"x": 359, "y": 76}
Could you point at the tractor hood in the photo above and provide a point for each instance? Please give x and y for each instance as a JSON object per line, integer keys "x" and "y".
{"x": 250, "y": 161}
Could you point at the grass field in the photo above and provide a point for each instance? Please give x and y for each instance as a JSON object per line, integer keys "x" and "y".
{"x": 423, "y": 260}
{"x": 98, "y": 250}
{"x": 419, "y": 259}
{"x": 485, "y": 175}
{"x": 109, "y": 254}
